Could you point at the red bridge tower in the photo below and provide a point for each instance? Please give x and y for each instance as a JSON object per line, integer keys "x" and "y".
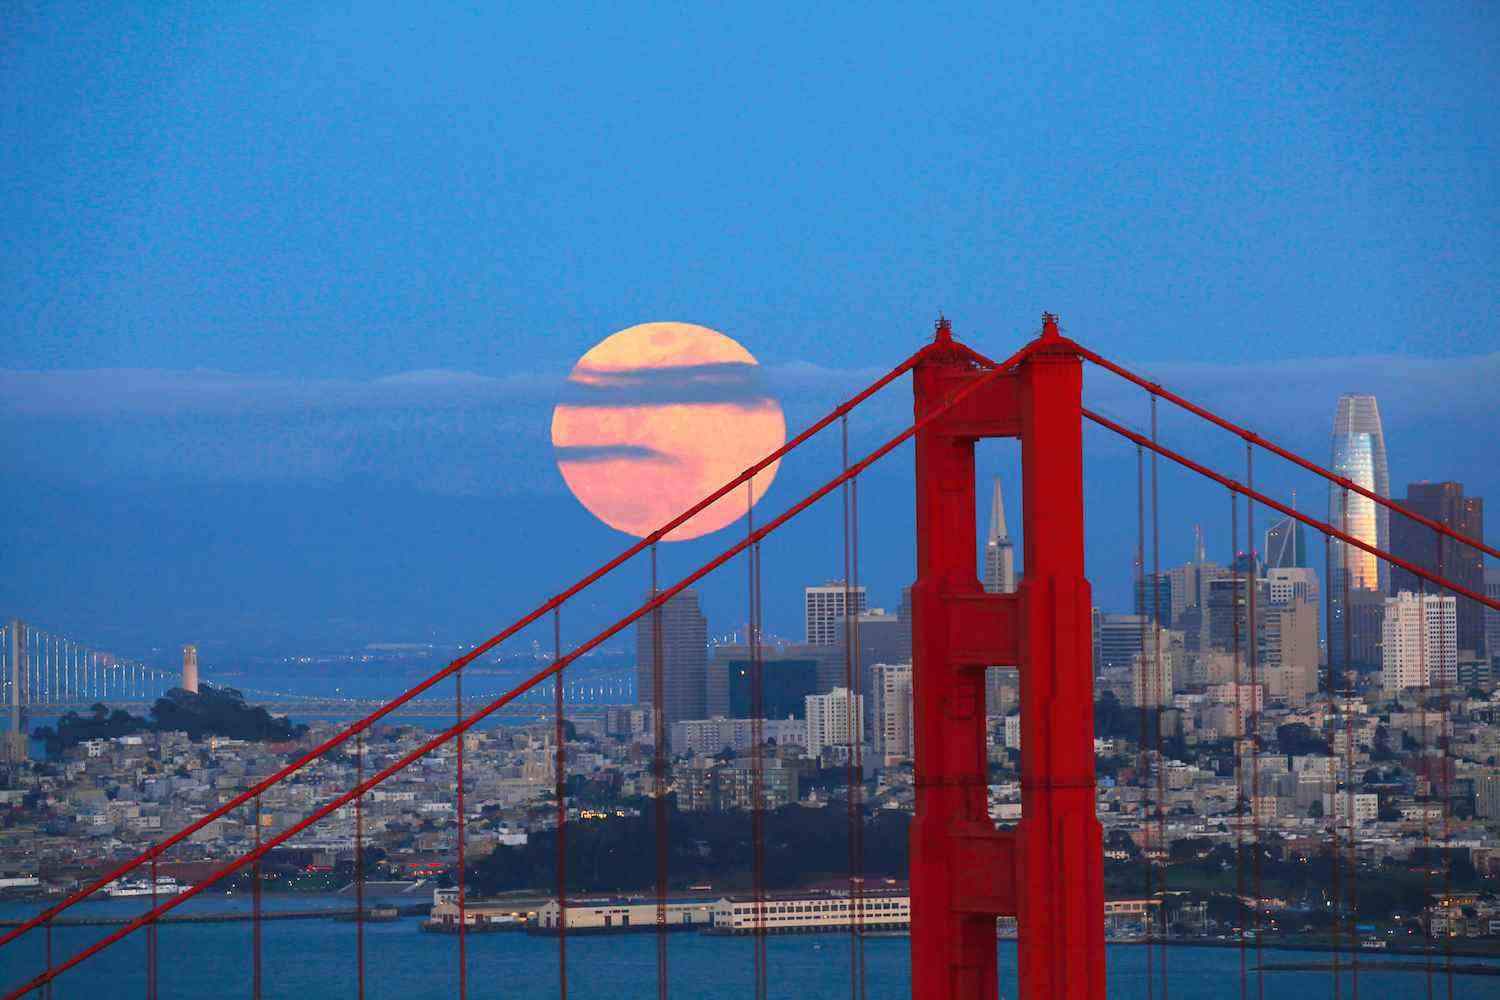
{"x": 1048, "y": 870}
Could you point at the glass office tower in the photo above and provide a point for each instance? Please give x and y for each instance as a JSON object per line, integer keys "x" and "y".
{"x": 1359, "y": 455}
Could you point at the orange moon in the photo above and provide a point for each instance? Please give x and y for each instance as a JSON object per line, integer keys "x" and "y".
{"x": 655, "y": 418}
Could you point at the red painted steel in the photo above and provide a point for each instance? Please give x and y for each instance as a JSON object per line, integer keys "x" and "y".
{"x": 1250, "y": 437}
{"x": 753, "y": 539}
{"x": 1048, "y": 870}
{"x": 1311, "y": 522}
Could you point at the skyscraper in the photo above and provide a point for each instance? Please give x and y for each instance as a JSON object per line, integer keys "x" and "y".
{"x": 1286, "y": 542}
{"x": 1491, "y": 616}
{"x": 684, "y": 658}
{"x": 1446, "y": 504}
{"x": 824, "y": 608}
{"x": 999, "y": 551}
{"x": 1358, "y": 455}
{"x": 999, "y": 578}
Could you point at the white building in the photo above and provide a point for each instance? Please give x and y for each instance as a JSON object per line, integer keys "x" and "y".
{"x": 828, "y": 720}
{"x": 890, "y": 692}
{"x": 824, "y": 608}
{"x": 1420, "y": 642}
{"x": 873, "y": 910}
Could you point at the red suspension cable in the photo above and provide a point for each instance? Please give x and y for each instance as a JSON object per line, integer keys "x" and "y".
{"x": 1252, "y": 438}
{"x": 1282, "y": 508}
{"x": 338, "y": 739}
{"x": 405, "y": 761}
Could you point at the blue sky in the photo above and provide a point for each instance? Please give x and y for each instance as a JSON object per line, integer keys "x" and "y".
{"x": 288, "y": 294}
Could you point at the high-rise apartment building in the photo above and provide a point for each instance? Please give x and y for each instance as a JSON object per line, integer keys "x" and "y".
{"x": 835, "y": 719}
{"x": 1419, "y": 648}
{"x": 824, "y": 607}
{"x": 1358, "y": 455}
{"x": 999, "y": 552}
{"x": 679, "y": 632}
{"x": 1446, "y": 504}
{"x": 891, "y": 706}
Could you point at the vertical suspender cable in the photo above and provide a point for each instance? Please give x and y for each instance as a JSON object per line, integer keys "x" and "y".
{"x": 1239, "y": 736}
{"x": 1444, "y": 741}
{"x": 562, "y": 811}
{"x": 1351, "y": 880}
{"x": 757, "y": 755}
{"x": 458, "y": 766}
{"x": 858, "y": 749}
{"x": 851, "y": 778}
{"x": 359, "y": 867}
{"x": 1343, "y": 882}
{"x": 1162, "y": 692}
{"x": 151, "y": 942}
{"x": 1424, "y": 677}
{"x": 659, "y": 785}
{"x": 1252, "y": 638}
{"x": 255, "y": 942}
{"x": 1140, "y": 689}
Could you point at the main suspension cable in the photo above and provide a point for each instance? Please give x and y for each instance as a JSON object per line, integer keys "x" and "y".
{"x": 546, "y": 607}
{"x": 981, "y": 380}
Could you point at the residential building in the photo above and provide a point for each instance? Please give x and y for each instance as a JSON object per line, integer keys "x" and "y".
{"x": 835, "y": 719}
{"x": 891, "y": 707}
{"x": 1419, "y": 646}
{"x": 824, "y": 606}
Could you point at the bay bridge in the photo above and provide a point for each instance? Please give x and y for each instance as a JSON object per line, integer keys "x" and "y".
{"x": 44, "y": 674}
{"x": 1046, "y": 871}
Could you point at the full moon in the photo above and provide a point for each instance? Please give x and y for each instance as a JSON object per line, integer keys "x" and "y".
{"x": 656, "y": 417}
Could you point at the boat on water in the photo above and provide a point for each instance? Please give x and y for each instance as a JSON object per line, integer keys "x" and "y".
{"x": 166, "y": 885}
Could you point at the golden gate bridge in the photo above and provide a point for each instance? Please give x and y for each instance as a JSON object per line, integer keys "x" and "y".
{"x": 1045, "y": 871}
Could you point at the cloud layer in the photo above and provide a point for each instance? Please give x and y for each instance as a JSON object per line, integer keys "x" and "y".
{"x": 461, "y": 432}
